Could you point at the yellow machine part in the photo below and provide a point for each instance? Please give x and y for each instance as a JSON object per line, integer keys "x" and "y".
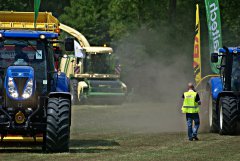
{"x": 62, "y": 64}
{"x": 98, "y": 50}
{"x": 25, "y": 20}
{"x": 19, "y": 117}
{"x": 16, "y": 138}
{"x": 83, "y": 41}
{"x": 67, "y": 65}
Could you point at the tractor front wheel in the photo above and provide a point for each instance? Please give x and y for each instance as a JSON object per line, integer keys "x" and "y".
{"x": 57, "y": 133}
{"x": 228, "y": 114}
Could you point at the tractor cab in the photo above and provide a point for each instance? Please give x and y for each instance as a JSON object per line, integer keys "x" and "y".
{"x": 230, "y": 67}
{"x": 99, "y": 60}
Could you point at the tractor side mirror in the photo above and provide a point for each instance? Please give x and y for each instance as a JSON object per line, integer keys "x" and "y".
{"x": 214, "y": 57}
{"x": 69, "y": 44}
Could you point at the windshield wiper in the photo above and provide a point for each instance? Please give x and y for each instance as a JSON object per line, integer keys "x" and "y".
{"x": 29, "y": 44}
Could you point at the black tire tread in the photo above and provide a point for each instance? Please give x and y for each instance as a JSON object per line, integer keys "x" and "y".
{"x": 230, "y": 115}
{"x": 58, "y": 125}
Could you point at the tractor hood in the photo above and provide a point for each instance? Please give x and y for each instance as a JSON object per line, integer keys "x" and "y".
{"x": 19, "y": 82}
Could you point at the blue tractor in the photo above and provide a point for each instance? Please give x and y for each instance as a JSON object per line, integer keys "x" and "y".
{"x": 224, "y": 97}
{"x": 34, "y": 96}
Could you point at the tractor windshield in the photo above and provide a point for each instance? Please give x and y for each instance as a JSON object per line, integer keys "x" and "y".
{"x": 99, "y": 63}
{"x": 236, "y": 73}
{"x": 23, "y": 52}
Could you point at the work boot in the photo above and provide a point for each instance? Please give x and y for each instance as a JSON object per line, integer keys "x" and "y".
{"x": 190, "y": 139}
{"x": 195, "y": 138}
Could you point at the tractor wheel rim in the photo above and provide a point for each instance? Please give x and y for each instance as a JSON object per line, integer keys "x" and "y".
{"x": 210, "y": 110}
{"x": 221, "y": 117}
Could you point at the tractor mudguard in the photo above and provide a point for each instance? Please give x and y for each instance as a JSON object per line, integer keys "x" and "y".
{"x": 61, "y": 83}
{"x": 60, "y": 94}
{"x": 216, "y": 87}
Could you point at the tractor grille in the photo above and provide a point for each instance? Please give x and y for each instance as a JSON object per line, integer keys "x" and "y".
{"x": 20, "y": 83}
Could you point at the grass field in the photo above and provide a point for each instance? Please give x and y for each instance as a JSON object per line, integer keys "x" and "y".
{"x": 165, "y": 146}
{"x": 129, "y": 133}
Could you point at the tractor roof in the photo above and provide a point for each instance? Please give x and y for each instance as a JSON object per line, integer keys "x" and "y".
{"x": 96, "y": 49}
{"x": 27, "y": 34}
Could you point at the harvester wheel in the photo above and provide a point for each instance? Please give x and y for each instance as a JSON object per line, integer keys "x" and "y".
{"x": 74, "y": 91}
{"x": 228, "y": 115}
{"x": 58, "y": 125}
{"x": 212, "y": 113}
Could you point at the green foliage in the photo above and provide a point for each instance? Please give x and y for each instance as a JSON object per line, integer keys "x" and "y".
{"x": 124, "y": 16}
{"x": 90, "y": 18}
{"x": 28, "y": 6}
{"x": 109, "y": 20}
{"x": 230, "y": 22}
{"x": 8, "y": 5}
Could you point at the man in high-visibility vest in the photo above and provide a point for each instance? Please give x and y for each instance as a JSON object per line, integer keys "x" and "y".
{"x": 190, "y": 106}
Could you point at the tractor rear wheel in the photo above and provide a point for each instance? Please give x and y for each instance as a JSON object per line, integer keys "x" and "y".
{"x": 228, "y": 115}
{"x": 212, "y": 113}
{"x": 74, "y": 91}
{"x": 58, "y": 125}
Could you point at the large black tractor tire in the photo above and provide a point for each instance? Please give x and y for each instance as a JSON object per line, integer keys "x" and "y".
{"x": 228, "y": 115}
{"x": 212, "y": 113}
{"x": 57, "y": 133}
{"x": 74, "y": 91}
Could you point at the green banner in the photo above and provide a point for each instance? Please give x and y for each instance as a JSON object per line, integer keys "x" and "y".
{"x": 36, "y": 10}
{"x": 214, "y": 29}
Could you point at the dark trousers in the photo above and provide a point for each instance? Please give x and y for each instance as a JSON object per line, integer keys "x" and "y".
{"x": 192, "y": 131}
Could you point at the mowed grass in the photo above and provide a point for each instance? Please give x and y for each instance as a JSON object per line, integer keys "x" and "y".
{"x": 125, "y": 146}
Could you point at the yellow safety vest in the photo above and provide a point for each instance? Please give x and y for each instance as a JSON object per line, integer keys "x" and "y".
{"x": 189, "y": 104}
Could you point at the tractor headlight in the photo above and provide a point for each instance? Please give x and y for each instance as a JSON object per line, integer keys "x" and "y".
{"x": 28, "y": 89}
{"x": 11, "y": 88}
{"x": 42, "y": 36}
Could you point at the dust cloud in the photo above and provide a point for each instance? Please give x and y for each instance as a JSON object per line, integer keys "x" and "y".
{"x": 156, "y": 72}
{"x": 157, "y": 69}
{"x": 153, "y": 67}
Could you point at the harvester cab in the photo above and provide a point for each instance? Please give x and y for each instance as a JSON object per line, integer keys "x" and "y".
{"x": 224, "y": 97}
{"x": 99, "y": 60}
{"x": 95, "y": 77}
{"x": 35, "y": 99}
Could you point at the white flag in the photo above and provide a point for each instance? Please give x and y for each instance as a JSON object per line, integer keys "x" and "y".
{"x": 78, "y": 50}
